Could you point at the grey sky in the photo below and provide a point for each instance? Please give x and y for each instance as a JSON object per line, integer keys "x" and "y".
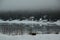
{"x": 28, "y": 4}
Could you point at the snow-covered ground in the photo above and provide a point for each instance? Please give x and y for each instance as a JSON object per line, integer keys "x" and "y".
{"x": 58, "y": 22}
{"x": 30, "y": 37}
{"x": 44, "y": 22}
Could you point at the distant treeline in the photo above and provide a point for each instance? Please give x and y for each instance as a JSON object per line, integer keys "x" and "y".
{"x": 50, "y": 15}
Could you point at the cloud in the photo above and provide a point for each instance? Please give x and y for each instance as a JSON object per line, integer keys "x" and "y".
{"x": 28, "y": 4}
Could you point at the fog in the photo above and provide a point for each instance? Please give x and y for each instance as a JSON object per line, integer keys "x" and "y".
{"x": 28, "y": 4}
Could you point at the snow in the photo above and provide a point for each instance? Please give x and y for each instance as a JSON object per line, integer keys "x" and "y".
{"x": 58, "y": 22}
{"x": 42, "y": 22}
{"x": 30, "y": 37}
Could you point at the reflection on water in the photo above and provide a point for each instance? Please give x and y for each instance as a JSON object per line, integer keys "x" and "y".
{"x": 20, "y": 29}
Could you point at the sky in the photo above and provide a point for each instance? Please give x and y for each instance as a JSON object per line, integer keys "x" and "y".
{"x": 6, "y": 5}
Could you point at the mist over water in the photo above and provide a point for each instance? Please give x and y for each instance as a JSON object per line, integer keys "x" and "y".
{"x": 28, "y": 4}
